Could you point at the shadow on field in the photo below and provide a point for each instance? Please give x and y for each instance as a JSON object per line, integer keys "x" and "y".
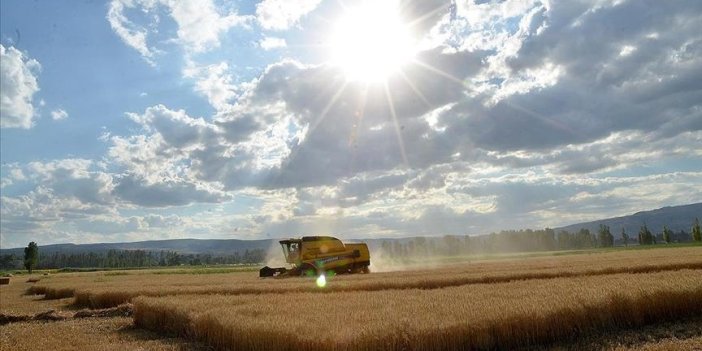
{"x": 634, "y": 339}
{"x": 133, "y": 332}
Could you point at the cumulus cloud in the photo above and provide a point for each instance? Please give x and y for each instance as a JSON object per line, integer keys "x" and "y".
{"x": 18, "y": 84}
{"x": 352, "y": 127}
{"x": 214, "y": 82}
{"x": 270, "y": 43}
{"x": 59, "y": 114}
{"x": 533, "y": 100}
{"x": 200, "y": 24}
{"x": 176, "y": 127}
{"x": 132, "y": 34}
{"x": 481, "y": 204}
{"x": 282, "y": 14}
{"x": 110, "y": 225}
{"x": 41, "y": 208}
{"x": 513, "y": 114}
{"x": 73, "y": 178}
{"x": 233, "y": 152}
{"x": 74, "y": 200}
{"x": 596, "y": 91}
{"x": 165, "y": 193}
{"x": 443, "y": 108}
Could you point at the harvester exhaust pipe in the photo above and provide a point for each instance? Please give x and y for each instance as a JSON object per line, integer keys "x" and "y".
{"x": 271, "y": 272}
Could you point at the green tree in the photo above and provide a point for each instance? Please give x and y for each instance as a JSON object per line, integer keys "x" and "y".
{"x": 645, "y": 236}
{"x": 467, "y": 245}
{"x": 605, "y": 237}
{"x": 420, "y": 244}
{"x": 453, "y": 245}
{"x": 583, "y": 238}
{"x": 667, "y": 233}
{"x": 565, "y": 240}
{"x": 31, "y": 256}
{"x": 696, "y": 231}
{"x": 8, "y": 261}
{"x": 625, "y": 237}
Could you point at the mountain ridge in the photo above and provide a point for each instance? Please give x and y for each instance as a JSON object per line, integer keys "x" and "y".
{"x": 677, "y": 218}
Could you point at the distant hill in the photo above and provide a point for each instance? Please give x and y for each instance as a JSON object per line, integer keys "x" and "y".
{"x": 214, "y": 247}
{"x": 677, "y": 218}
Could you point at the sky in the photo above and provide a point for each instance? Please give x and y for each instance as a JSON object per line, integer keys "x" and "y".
{"x": 129, "y": 120}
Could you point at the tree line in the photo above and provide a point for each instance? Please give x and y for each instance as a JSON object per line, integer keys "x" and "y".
{"x": 506, "y": 241}
{"x": 124, "y": 259}
{"x": 527, "y": 240}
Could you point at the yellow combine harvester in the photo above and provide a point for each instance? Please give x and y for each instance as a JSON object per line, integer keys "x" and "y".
{"x": 312, "y": 255}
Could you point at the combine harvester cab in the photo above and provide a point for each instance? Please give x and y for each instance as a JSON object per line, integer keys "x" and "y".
{"x": 312, "y": 255}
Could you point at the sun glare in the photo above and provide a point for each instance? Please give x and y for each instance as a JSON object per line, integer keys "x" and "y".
{"x": 371, "y": 42}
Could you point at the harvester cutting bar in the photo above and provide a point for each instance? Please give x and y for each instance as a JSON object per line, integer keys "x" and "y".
{"x": 271, "y": 272}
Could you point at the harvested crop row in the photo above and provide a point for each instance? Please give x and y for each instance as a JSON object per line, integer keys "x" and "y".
{"x": 51, "y": 293}
{"x": 484, "y": 316}
{"x": 105, "y": 297}
{"x": 54, "y": 315}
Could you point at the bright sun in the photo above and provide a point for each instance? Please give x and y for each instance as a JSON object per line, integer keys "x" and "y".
{"x": 371, "y": 42}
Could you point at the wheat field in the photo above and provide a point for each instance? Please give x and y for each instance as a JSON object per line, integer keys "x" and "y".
{"x": 487, "y": 304}
{"x": 481, "y": 316}
{"x": 105, "y": 290}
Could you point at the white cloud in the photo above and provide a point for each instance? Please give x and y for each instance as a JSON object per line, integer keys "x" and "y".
{"x": 518, "y": 115}
{"x": 270, "y": 43}
{"x": 199, "y": 22}
{"x": 214, "y": 82}
{"x": 12, "y": 173}
{"x": 177, "y": 128}
{"x": 59, "y": 114}
{"x": 166, "y": 192}
{"x": 236, "y": 151}
{"x": 18, "y": 84}
{"x": 5, "y": 182}
{"x": 17, "y": 174}
{"x": 73, "y": 179}
{"x": 41, "y": 208}
{"x": 283, "y": 14}
{"x": 131, "y": 33}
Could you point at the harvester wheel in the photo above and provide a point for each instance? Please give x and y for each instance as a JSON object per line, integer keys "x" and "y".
{"x": 365, "y": 270}
{"x": 308, "y": 270}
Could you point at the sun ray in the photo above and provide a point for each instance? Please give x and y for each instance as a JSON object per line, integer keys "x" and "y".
{"x": 319, "y": 120}
{"x": 439, "y": 72}
{"x": 328, "y": 107}
{"x": 398, "y": 132}
{"x": 414, "y": 87}
{"x": 353, "y": 138}
{"x": 360, "y": 113}
{"x": 540, "y": 117}
{"x": 421, "y": 18}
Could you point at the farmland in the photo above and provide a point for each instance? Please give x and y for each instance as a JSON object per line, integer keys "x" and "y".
{"x": 476, "y": 304}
